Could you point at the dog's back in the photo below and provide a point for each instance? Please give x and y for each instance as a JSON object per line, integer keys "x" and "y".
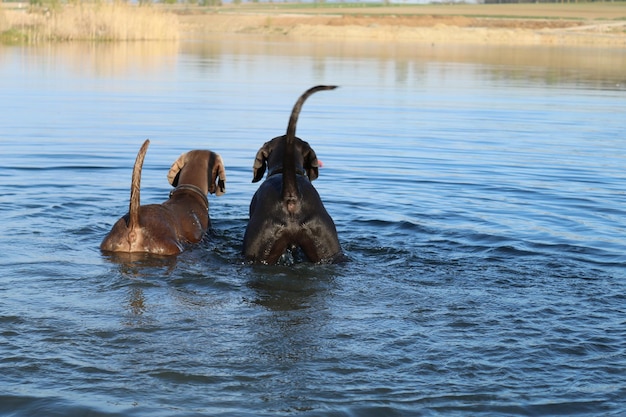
{"x": 165, "y": 229}
{"x": 286, "y": 211}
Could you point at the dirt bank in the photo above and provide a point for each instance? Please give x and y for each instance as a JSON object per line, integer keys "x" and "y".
{"x": 558, "y": 24}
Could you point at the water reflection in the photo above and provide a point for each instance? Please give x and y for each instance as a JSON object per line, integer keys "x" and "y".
{"x": 400, "y": 63}
{"x": 293, "y": 288}
{"x": 136, "y": 302}
{"x": 136, "y": 264}
{"x": 295, "y": 312}
{"x": 595, "y": 67}
{"x": 101, "y": 59}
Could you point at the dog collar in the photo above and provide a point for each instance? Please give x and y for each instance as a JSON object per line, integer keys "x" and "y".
{"x": 280, "y": 171}
{"x": 193, "y": 188}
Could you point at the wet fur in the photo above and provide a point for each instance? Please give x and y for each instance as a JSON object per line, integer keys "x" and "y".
{"x": 166, "y": 229}
{"x": 287, "y": 212}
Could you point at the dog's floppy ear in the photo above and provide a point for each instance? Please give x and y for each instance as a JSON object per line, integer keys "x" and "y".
{"x": 310, "y": 163}
{"x": 172, "y": 175}
{"x": 260, "y": 162}
{"x": 217, "y": 175}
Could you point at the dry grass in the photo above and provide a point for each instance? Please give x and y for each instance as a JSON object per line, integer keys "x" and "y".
{"x": 563, "y": 23}
{"x": 115, "y": 21}
{"x": 510, "y": 24}
{"x": 579, "y": 10}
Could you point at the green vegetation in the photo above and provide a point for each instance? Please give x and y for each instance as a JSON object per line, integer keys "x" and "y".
{"x": 12, "y": 36}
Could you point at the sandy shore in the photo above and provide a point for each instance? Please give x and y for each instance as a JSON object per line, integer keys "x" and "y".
{"x": 514, "y": 24}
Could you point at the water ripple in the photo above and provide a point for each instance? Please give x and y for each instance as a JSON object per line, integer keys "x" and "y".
{"x": 482, "y": 218}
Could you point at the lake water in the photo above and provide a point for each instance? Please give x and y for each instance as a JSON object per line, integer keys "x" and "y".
{"x": 479, "y": 192}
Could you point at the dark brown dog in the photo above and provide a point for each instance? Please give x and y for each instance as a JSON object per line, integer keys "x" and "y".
{"x": 286, "y": 212}
{"x": 165, "y": 229}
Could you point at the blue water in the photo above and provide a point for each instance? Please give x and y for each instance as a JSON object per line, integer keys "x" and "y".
{"x": 479, "y": 193}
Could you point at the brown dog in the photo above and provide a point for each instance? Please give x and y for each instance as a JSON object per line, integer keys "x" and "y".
{"x": 286, "y": 211}
{"x": 165, "y": 229}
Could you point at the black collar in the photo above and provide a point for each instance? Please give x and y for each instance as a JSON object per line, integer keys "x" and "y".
{"x": 280, "y": 171}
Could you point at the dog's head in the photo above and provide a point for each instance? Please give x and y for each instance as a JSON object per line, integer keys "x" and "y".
{"x": 271, "y": 156}
{"x": 195, "y": 161}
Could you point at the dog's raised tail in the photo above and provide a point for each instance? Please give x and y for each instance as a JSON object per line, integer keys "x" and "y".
{"x": 135, "y": 187}
{"x": 290, "y": 187}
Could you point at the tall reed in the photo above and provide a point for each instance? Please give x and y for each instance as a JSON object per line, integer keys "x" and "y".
{"x": 106, "y": 21}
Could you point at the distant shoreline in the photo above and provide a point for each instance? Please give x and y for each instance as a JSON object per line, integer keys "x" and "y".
{"x": 514, "y": 24}
{"x": 584, "y": 24}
